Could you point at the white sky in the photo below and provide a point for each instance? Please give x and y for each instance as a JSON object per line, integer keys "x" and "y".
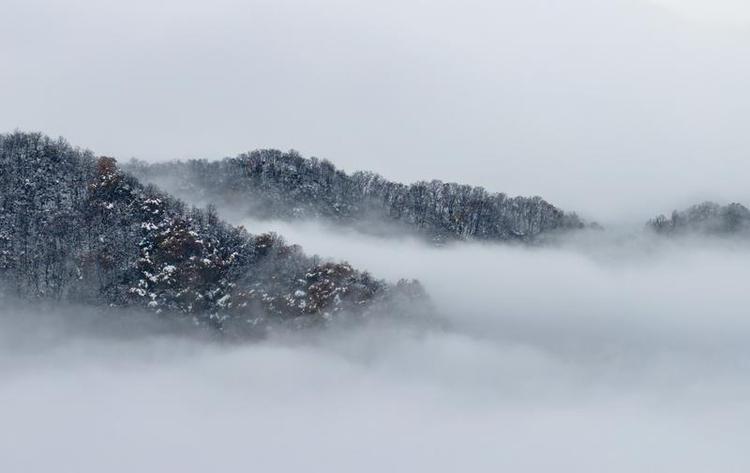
{"x": 619, "y": 109}
{"x": 716, "y": 12}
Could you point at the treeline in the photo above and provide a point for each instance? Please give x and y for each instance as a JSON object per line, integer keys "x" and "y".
{"x": 273, "y": 184}
{"x": 707, "y": 218}
{"x": 75, "y": 227}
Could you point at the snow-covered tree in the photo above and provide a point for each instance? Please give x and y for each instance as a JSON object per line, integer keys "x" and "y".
{"x": 76, "y": 227}
{"x": 272, "y": 184}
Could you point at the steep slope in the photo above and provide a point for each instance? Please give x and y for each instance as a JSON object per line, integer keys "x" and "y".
{"x": 707, "y": 218}
{"x": 75, "y": 227}
{"x": 272, "y": 184}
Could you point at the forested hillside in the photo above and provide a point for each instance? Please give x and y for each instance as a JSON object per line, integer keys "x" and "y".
{"x": 273, "y": 184}
{"x": 75, "y": 227}
{"x": 707, "y": 218}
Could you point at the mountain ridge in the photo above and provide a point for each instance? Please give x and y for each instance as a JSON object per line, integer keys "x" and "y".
{"x": 76, "y": 227}
{"x": 270, "y": 184}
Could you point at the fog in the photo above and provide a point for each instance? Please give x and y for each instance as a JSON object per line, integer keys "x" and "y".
{"x": 615, "y": 109}
{"x": 602, "y": 353}
{"x": 607, "y": 351}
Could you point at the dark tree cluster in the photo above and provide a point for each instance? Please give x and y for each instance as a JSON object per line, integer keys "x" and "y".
{"x": 707, "y": 218}
{"x": 76, "y": 227}
{"x": 272, "y": 184}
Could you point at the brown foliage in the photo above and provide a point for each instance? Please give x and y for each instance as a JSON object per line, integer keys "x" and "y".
{"x": 106, "y": 166}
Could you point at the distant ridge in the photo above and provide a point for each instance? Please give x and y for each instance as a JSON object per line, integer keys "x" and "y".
{"x": 707, "y": 218}
{"x": 273, "y": 184}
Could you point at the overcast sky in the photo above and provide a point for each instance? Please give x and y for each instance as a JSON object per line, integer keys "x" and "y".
{"x": 617, "y": 108}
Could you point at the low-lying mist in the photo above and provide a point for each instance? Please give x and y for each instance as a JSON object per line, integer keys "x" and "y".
{"x": 602, "y": 352}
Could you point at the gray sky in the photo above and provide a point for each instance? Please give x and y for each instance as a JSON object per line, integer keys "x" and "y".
{"x": 619, "y": 109}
